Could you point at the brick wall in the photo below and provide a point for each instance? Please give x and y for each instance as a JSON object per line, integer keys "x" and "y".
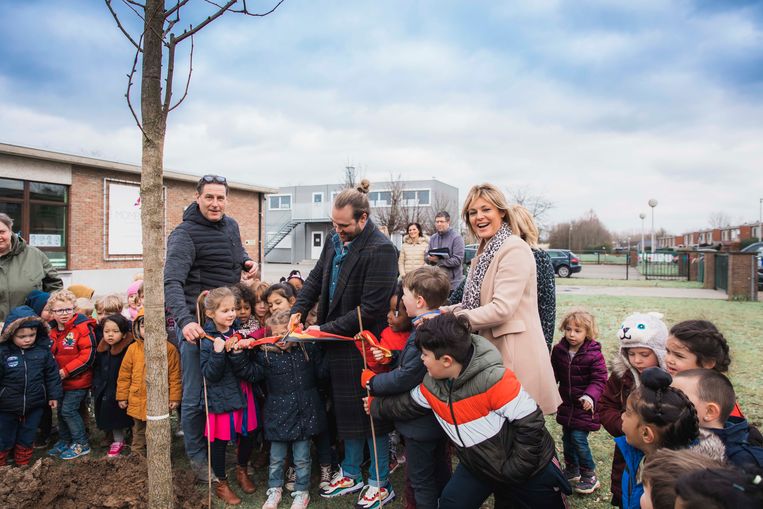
{"x": 86, "y": 216}
{"x": 743, "y": 279}
{"x": 709, "y": 282}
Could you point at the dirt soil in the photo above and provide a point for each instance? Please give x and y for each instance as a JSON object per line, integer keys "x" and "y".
{"x": 90, "y": 482}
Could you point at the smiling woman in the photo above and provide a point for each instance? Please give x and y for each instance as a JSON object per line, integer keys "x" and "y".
{"x": 500, "y": 298}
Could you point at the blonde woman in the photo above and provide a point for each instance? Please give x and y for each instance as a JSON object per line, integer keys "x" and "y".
{"x": 413, "y": 251}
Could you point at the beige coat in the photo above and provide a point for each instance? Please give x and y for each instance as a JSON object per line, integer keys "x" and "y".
{"x": 412, "y": 255}
{"x": 508, "y": 317}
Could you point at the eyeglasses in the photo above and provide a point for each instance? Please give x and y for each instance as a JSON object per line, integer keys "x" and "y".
{"x": 213, "y": 179}
{"x": 64, "y": 311}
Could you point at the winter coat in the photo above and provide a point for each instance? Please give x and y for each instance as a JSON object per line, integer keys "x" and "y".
{"x": 583, "y": 374}
{"x": 28, "y": 377}
{"x": 631, "y": 487}
{"x": 453, "y": 264}
{"x": 74, "y": 350}
{"x": 108, "y": 360}
{"x": 739, "y": 450}
{"x": 408, "y": 372}
{"x": 23, "y": 269}
{"x": 367, "y": 279}
{"x": 412, "y": 254}
{"x": 497, "y": 429}
{"x": 546, "y": 294}
{"x": 131, "y": 382}
{"x": 223, "y": 386}
{"x": 508, "y": 318}
{"x": 293, "y": 407}
{"x": 201, "y": 255}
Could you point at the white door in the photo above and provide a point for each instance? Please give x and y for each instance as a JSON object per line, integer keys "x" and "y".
{"x": 317, "y": 245}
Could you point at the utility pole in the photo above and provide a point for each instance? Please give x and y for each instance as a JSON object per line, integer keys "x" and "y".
{"x": 653, "y": 204}
{"x": 642, "y": 216}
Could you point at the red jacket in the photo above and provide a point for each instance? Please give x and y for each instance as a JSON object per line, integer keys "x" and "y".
{"x": 74, "y": 350}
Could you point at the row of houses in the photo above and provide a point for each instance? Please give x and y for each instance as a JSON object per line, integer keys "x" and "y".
{"x": 729, "y": 238}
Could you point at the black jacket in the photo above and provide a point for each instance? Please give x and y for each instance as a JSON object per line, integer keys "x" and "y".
{"x": 108, "y": 360}
{"x": 223, "y": 388}
{"x": 293, "y": 407}
{"x": 201, "y": 255}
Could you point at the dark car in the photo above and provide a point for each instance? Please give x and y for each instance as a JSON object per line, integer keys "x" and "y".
{"x": 565, "y": 262}
{"x": 757, "y": 248}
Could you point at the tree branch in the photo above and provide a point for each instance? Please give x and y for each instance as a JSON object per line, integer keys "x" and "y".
{"x": 206, "y": 22}
{"x": 122, "y": 28}
{"x": 188, "y": 81}
{"x": 170, "y": 74}
{"x": 129, "y": 86}
{"x": 245, "y": 10}
{"x": 130, "y": 5}
{"x": 174, "y": 9}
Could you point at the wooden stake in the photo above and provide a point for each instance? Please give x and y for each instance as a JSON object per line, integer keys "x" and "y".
{"x": 371, "y": 419}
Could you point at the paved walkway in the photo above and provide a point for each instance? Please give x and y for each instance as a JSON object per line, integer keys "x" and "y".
{"x": 635, "y": 291}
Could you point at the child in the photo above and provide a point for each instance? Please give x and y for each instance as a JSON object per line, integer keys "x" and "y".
{"x": 29, "y": 382}
{"x": 656, "y": 416}
{"x": 131, "y": 382}
{"x": 498, "y": 430}
{"x": 109, "y": 355}
{"x": 661, "y": 470}
{"x": 231, "y": 411}
{"x": 296, "y": 280}
{"x": 133, "y": 300}
{"x": 293, "y": 410}
{"x": 720, "y": 488}
{"x": 713, "y": 396}
{"x": 108, "y": 305}
{"x": 424, "y": 291}
{"x": 84, "y": 307}
{"x": 280, "y": 296}
{"x": 642, "y": 345}
{"x": 73, "y": 346}
{"x": 245, "y": 302}
{"x": 261, "y": 311}
{"x": 581, "y": 373}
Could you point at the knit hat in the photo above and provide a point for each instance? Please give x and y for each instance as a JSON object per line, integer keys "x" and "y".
{"x": 643, "y": 330}
{"x": 134, "y": 287}
{"x": 22, "y": 316}
{"x": 37, "y": 299}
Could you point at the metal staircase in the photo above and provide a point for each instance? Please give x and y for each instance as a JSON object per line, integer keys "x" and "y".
{"x": 283, "y": 231}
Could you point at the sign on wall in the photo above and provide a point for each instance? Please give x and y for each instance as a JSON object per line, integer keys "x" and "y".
{"x": 124, "y": 220}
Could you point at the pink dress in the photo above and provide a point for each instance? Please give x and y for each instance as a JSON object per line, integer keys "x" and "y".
{"x": 225, "y": 426}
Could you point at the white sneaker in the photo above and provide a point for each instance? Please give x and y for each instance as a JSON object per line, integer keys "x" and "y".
{"x": 274, "y": 497}
{"x": 301, "y": 499}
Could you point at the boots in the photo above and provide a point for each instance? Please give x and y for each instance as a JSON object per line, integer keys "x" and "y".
{"x": 224, "y": 493}
{"x": 23, "y": 455}
{"x": 4, "y": 457}
{"x": 243, "y": 480}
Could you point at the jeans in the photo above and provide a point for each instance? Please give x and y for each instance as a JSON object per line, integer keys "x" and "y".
{"x": 428, "y": 468}
{"x": 71, "y": 427}
{"x": 278, "y": 452}
{"x": 545, "y": 489}
{"x": 192, "y": 416}
{"x": 323, "y": 448}
{"x": 577, "y": 453}
{"x": 17, "y": 429}
{"x": 353, "y": 457}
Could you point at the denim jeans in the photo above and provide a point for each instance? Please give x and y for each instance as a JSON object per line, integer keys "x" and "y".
{"x": 353, "y": 457}
{"x": 428, "y": 468}
{"x": 577, "y": 453}
{"x": 192, "y": 416}
{"x": 71, "y": 427}
{"x": 16, "y": 429}
{"x": 278, "y": 452}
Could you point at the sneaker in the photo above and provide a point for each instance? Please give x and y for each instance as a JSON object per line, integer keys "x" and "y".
{"x": 587, "y": 485}
{"x": 301, "y": 499}
{"x": 58, "y": 448}
{"x": 341, "y": 485}
{"x": 75, "y": 451}
{"x": 325, "y": 476}
{"x": 373, "y": 497}
{"x": 572, "y": 474}
{"x": 40, "y": 442}
{"x": 274, "y": 497}
{"x": 291, "y": 478}
{"x": 115, "y": 449}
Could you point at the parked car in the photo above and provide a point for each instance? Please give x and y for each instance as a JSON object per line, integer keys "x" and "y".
{"x": 757, "y": 248}
{"x": 565, "y": 262}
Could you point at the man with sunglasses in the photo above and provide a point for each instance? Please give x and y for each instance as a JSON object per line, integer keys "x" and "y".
{"x": 203, "y": 252}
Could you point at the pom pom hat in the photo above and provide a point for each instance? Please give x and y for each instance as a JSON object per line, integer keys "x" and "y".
{"x": 643, "y": 330}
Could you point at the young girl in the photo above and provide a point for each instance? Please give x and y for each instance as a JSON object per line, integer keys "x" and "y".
{"x": 642, "y": 345}
{"x": 581, "y": 373}
{"x": 656, "y": 416}
{"x": 108, "y": 359}
{"x": 245, "y": 303}
{"x": 231, "y": 411}
{"x": 698, "y": 344}
{"x": 261, "y": 311}
{"x": 293, "y": 410}
{"x": 280, "y": 297}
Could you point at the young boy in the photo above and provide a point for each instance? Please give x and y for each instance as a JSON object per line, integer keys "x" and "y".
{"x": 73, "y": 346}
{"x": 29, "y": 382}
{"x": 424, "y": 291}
{"x": 498, "y": 430}
{"x": 713, "y": 396}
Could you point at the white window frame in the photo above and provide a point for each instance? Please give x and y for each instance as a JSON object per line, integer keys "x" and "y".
{"x": 378, "y": 192}
{"x": 319, "y": 193}
{"x": 291, "y": 201}
{"x": 417, "y": 201}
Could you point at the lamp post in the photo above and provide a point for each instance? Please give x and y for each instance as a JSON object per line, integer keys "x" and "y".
{"x": 642, "y": 216}
{"x": 760, "y": 222}
{"x": 653, "y": 204}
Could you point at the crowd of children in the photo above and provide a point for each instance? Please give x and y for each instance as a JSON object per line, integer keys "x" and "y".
{"x": 680, "y": 438}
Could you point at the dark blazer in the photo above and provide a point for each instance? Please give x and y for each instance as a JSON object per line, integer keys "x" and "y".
{"x": 366, "y": 279}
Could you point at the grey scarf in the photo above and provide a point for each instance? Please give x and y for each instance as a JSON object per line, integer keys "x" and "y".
{"x": 473, "y": 287}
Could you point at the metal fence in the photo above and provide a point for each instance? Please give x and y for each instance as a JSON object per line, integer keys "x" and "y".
{"x": 722, "y": 271}
{"x": 602, "y": 258}
{"x": 666, "y": 265}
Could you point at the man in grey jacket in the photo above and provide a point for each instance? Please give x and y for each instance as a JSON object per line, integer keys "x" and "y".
{"x": 446, "y": 249}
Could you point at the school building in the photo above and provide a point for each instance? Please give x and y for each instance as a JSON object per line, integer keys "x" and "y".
{"x": 84, "y": 213}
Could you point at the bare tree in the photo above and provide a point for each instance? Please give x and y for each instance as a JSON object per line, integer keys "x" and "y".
{"x": 537, "y": 204}
{"x": 719, "y": 219}
{"x": 156, "y": 44}
{"x": 350, "y": 176}
{"x": 587, "y": 232}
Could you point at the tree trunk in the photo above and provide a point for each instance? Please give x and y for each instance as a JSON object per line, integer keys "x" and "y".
{"x": 154, "y": 120}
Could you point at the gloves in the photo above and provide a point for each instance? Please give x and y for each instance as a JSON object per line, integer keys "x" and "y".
{"x": 365, "y": 377}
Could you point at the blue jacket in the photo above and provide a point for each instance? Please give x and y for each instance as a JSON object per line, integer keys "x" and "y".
{"x": 28, "y": 377}
{"x": 736, "y": 438}
{"x": 223, "y": 388}
{"x": 408, "y": 373}
{"x": 632, "y": 488}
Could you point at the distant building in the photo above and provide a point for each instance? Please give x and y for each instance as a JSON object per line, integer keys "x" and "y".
{"x": 728, "y": 238}
{"x": 298, "y": 218}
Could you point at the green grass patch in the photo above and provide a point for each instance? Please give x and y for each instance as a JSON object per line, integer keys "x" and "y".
{"x": 652, "y": 283}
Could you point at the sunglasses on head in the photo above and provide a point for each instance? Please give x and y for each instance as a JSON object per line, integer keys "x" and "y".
{"x": 213, "y": 179}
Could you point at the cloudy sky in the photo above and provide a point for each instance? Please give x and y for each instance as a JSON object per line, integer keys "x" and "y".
{"x": 595, "y": 104}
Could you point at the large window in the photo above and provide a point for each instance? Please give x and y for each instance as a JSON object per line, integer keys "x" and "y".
{"x": 279, "y": 202}
{"x": 39, "y": 211}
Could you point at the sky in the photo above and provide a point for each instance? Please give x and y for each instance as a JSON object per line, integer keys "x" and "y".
{"x": 591, "y": 104}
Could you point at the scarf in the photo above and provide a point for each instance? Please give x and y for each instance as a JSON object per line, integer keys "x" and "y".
{"x": 473, "y": 287}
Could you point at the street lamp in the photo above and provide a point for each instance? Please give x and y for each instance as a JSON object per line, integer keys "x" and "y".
{"x": 653, "y": 204}
{"x": 760, "y": 222}
{"x": 642, "y": 216}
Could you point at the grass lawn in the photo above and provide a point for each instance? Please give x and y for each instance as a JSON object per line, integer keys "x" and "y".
{"x": 654, "y": 283}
